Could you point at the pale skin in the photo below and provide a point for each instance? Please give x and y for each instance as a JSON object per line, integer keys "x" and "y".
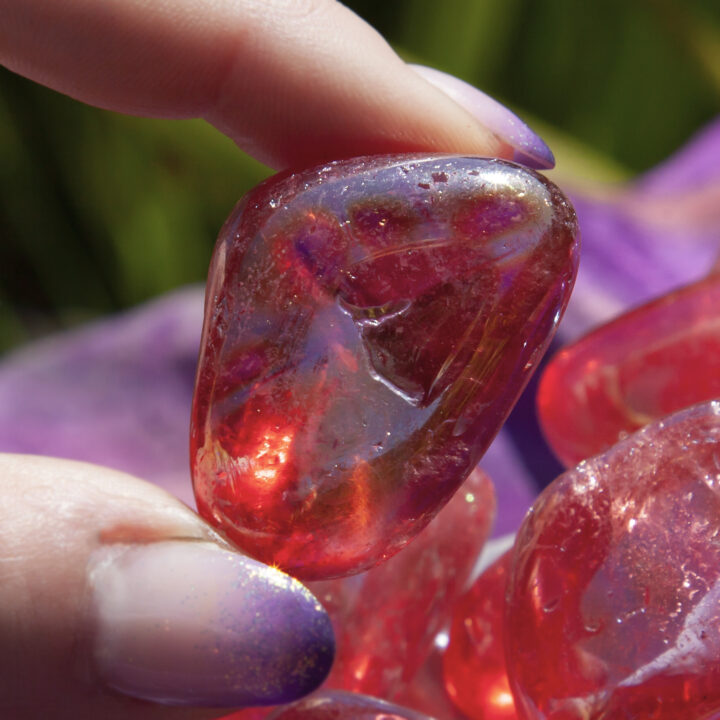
{"x": 293, "y": 82}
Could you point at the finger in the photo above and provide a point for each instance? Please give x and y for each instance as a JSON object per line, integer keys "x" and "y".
{"x": 291, "y": 81}
{"x": 115, "y": 597}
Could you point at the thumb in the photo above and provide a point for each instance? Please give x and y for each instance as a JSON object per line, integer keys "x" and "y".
{"x": 116, "y": 600}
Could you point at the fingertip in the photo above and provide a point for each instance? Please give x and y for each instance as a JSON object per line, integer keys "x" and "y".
{"x": 334, "y": 89}
{"x": 525, "y": 146}
{"x": 188, "y": 623}
{"x": 122, "y": 602}
{"x": 293, "y": 84}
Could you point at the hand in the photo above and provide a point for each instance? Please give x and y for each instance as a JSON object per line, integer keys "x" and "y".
{"x": 115, "y": 597}
{"x": 293, "y": 82}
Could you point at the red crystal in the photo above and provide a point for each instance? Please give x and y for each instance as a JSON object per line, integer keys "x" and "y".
{"x": 385, "y": 633}
{"x": 253, "y": 713}
{"x": 336, "y": 705}
{"x": 426, "y": 693}
{"x": 660, "y": 358}
{"x": 613, "y": 600}
{"x": 369, "y": 325}
{"x": 474, "y": 663}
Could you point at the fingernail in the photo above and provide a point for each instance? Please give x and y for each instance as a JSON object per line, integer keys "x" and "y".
{"x": 188, "y": 623}
{"x": 529, "y": 148}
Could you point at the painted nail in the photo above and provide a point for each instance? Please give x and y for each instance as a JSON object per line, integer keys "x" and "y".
{"x": 529, "y": 149}
{"x": 189, "y": 623}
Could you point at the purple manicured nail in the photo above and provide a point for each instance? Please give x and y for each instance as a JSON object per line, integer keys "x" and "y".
{"x": 529, "y": 148}
{"x": 188, "y": 623}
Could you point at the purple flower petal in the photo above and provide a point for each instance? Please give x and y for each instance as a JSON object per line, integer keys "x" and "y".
{"x": 515, "y": 488}
{"x": 643, "y": 240}
{"x": 116, "y": 392}
{"x": 694, "y": 166}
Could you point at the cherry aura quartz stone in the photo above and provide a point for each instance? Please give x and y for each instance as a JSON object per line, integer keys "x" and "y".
{"x": 386, "y": 632}
{"x": 369, "y": 325}
{"x": 648, "y": 363}
{"x": 427, "y": 693}
{"x": 613, "y": 603}
{"x": 336, "y": 705}
{"x": 474, "y": 663}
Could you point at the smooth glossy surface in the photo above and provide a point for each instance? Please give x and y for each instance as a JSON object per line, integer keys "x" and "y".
{"x": 657, "y": 359}
{"x": 386, "y": 633}
{"x": 426, "y": 693}
{"x": 253, "y": 713}
{"x": 334, "y": 705}
{"x": 369, "y": 325}
{"x": 474, "y": 663}
{"x": 614, "y": 596}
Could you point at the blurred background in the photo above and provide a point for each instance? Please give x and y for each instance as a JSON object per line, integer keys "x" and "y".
{"x": 99, "y": 212}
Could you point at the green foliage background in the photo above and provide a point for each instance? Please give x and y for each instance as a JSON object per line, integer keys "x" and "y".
{"x": 99, "y": 211}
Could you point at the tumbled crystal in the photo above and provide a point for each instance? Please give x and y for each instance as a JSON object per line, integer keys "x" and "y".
{"x": 474, "y": 663}
{"x": 252, "y": 713}
{"x": 426, "y": 693}
{"x": 385, "y": 633}
{"x": 336, "y": 705}
{"x": 369, "y": 325}
{"x": 650, "y": 362}
{"x": 613, "y": 599}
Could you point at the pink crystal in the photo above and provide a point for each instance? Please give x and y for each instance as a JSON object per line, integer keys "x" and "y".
{"x": 385, "y": 633}
{"x": 426, "y": 693}
{"x": 344, "y": 706}
{"x": 369, "y": 325}
{"x": 253, "y": 713}
{"x": 474, "y": 662}
{"x": 614, "y": 597}
{"x": 657, "y": 359}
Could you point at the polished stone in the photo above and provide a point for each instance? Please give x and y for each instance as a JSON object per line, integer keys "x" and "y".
{"x": 369, "y": 325}
{"x": 427, "y": 694}
{"x": 335, "y": 705}
{"x": 646, "y": 364}
{"x": 386, "y": 631}
{"x": 614, "y": 595}
{"x": 474, "y": 663}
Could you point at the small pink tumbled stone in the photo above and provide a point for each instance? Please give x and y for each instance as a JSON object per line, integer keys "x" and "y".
{"x": 253, "y": 713}
{"x": 386, "y": 627}
{"x": 614, "y": 596}
{"x": 648, "y": 363}
{"x": 427, "y": 694}
{"x": 336, "y": 705}
{"x": 474, "y": 663}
